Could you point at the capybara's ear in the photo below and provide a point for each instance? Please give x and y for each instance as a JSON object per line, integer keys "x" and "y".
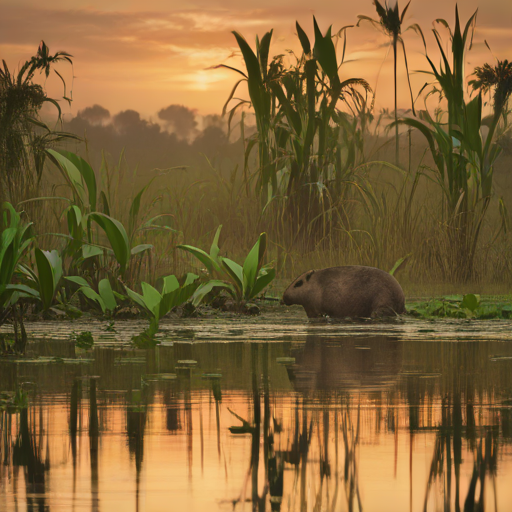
{"x": 309, "y": 274}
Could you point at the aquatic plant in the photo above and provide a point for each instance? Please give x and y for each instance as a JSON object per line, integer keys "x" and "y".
{"x": 15, "y": 239}
{"x": 157, "y": 304}
{"x": 83, "y": 339}
{"x": 105, "y": 297}
{"x": 46, "y": 280}
{"x": 460, "y": 306}
{"x": 242, "y": 282}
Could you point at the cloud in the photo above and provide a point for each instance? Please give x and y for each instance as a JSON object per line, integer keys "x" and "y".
{"x": 128, "y": 57}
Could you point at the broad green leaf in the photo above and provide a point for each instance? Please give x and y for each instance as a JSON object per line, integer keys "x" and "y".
{"x": 117, "y": 237}
{"x": 91, "y": 294}
{"x": 80, "y": 281}
{"x": 214, "y": 249}
{"x": 206, "y": 288}
{"x": 262, "y": 282}
{"x": 202, "y": 256}
{"x": 470, "y": 301}
{"x": 21, "y": 288}
{"x": 74, "y": 218}
{"x": 170, "y": 284}
{"x": 56, "y": 263}
{"x": 236, "y": 273}
{"x": 191, "y": 278}
{"x": 45, "y": 277}
{"x": 138, "y": 299}
{"x": 8, "y": 254}
{"x": 151, "y": 298}
{"x": 140, "y": 249}
{"x": 70, "y": 173}
{"x": 175, "y": 298}
{"x": 87, "y": 174}
{"x": 107, "y": 295}
{"x": 253, "y": 260}
{"x": 89, "y": 251}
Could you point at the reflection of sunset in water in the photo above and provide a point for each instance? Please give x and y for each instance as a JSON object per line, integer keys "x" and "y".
{"x": 344, "y": 424}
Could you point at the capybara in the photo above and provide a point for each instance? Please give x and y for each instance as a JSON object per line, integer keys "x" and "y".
{"x": 351, "y": 291}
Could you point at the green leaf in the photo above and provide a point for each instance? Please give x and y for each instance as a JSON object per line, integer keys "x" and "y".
{"x": 191, "y": 278}
{"x": 21, "y": 288}
{"x": 176, "y": 298}
{"x": 107, "y": 294}
{"x": 325, "y": 53}
{"x": 46, "y": 278}
{"x": 140, "y": 248}
{"x": 70, "y": 173}
{"x": 262, "y": 282}
{"x": 89, "y": 251}
{"x": 214, "y": 249}
{"x": 236, "y": 273}
{"x": 303, "y": 38}
{"x": 138, "y": 299}
{"x": 470, "y": 301}
{"x": 87, "y": 174}
{"x": 91, "y": 294}
{"x": 56, "y": 263}
{"x": 117, "y": 237}
{"x": 210, "y": 264}
{"x": 206, "y": 288}
{"x": 80, "y": 281}
{"x": 170, "y": 284}
{"x": 152, "y": 298}
{"x": 253, "y": 261}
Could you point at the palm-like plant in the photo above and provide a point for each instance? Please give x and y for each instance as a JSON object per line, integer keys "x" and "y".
{"x": 499, "y": 79}
{"x": 390, "y": 21}
{"x": 23, "y": 137}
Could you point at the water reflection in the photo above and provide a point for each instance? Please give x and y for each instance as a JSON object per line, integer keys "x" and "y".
{"x": 347, "y": 423}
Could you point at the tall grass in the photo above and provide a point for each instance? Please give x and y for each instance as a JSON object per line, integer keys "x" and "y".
{"x": 316, "y": 178}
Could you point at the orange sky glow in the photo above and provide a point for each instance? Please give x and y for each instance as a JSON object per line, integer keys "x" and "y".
{"x": 147, "y": 55}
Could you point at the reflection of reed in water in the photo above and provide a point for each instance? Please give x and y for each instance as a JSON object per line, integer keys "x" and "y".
{"x": 27, "y": 449}
{"x": 447, "y": 458}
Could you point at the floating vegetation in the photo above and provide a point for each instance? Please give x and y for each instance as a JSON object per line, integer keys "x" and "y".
{"x": 467, "y": 306}
{"x": 84, "y": 339}
{"x": 155, "y": 377}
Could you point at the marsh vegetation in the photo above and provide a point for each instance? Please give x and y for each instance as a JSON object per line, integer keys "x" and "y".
{"x": 312, "y": 182}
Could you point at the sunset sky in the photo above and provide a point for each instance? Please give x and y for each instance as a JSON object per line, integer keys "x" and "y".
{"x": 147, "y": 55}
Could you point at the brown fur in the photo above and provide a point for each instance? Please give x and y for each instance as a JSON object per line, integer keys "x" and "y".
{"x": 352, "y": 291}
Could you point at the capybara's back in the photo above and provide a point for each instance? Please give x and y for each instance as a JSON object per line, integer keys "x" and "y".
{"x": 350, "y": 291}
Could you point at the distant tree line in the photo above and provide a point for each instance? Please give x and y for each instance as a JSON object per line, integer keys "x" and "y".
{"x": 177, "y": 140}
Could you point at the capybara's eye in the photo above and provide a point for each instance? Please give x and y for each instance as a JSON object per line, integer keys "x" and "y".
{"x": 298, "y": 283}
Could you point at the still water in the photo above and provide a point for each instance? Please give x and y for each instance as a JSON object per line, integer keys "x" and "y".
{"x": 392, "y": 417}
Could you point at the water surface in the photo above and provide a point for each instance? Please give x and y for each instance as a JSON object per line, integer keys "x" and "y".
{"x": 260, "y": 415}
